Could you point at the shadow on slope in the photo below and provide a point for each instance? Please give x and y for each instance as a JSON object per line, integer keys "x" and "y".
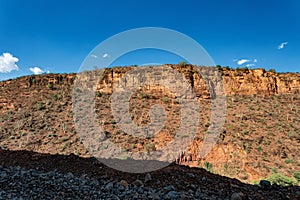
{"x": 182, "y": 178}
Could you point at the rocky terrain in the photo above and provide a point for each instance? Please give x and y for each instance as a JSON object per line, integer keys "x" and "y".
{"x": 260, "y": 135}
{"x": 29, "y": 175}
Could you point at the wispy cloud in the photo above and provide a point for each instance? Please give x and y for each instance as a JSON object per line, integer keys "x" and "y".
{"x": 37, "y": 70}
{"x": 245, "y": 62}
{"x": 242, "y": 61}
{"x": 8, "y": 63}
{"x": 94, "y": 56}
{"x": 105, "y": 55}
{"x": 282, "y": 45}
{"x": 250, "y": 65}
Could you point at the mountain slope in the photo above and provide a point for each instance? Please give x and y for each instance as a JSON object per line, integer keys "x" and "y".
{"x": 261, "y": 134}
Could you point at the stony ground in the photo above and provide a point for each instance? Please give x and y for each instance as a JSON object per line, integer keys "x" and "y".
{"x": 28, "y": 175}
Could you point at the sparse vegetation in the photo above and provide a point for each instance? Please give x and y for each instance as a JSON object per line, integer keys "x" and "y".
{"x": 258, "y": 128}
{"x": 99, "y": 94}
{"x": 40, "y": 106}
{"x": 272, "y": 70}
{"x": 165, "y": 99}
{"x": 208, "y": 166}
{"x": 145, "y": 96}
{"x": 289, "y": 160}
{"x": 281, "y": 179}
{"x": 297, "y": 175}
{"x": 50, "y": 86}
{"x": 182, "y": 63}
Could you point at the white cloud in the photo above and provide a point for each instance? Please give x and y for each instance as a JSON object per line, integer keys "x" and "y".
{"x": 255, "y": 60}
{"x": 282, "y": 45}
{"x": 37, "y": 70}
{"x": 105, "y": 55}
{"x": 250, "y": 65}
{"x": 8, "y": 63}
{"x": 242, "y": 61}
{"x": 94, "y": 56}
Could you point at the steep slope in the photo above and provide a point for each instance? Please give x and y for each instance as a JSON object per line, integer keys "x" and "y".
{"x": 260, "y": 137}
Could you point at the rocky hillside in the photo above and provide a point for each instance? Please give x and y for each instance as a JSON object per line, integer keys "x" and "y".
{"x": 236, "y": 82}
{"x": 260, "y": 136}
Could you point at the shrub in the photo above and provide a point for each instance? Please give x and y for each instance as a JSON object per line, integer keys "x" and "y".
{"x": 208, "y": 166}
{"x": 272, "y": 70}
{"x": 281, "y": 179}
{"x": 32, "y": 81}
{"x": 242, "y": 69}
{"x": 40, "y": 106}
{"x": 259, "y": 148}
{"x": 145, "y": 96}
{"x": 165, "y": 99}
{"x": 297, "y": 175}
{"x": 289, "y": 160}
{"x": 182, "y": 63}
{"x": 50, "y": 86}
{"x": 98, "y": 94}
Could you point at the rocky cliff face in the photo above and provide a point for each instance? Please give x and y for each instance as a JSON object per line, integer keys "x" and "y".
{"x": 235, "y": 82}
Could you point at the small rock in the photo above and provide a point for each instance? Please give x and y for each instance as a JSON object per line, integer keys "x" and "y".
{"x": 172, "y": 195}
{"x": 191, "y": 175}
{"x": 156, "y": 196}
{"x": 169, "y": 188}
{"x": 124, "y": 183}
{"x": 192, "y": 186}
{"x": 109, "y": 186}
{"x": 3, "y": 174}
{"x": 158, "y": 182}
{"x": 190, "y": 191}
{"x": 237, "y": 196}
{"x": 264, "y": 184}
{"x": 138, "y": 183}
{"x": 198, "y": 193}
{"x": 70, "y": 175}
{"x": 184, "y": 196}
{"x": 148, "y": 178}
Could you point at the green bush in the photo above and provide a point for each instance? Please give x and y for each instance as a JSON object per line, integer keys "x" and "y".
{"x": 208, "y": 166}
{"x": 182, "y": 63}
{"x": 50, "y": 86}
{"x": 281, "y": 179}
{"x": 40, "y": 106}
{"x": 32, "y": 81}
{"x": 98, "y": 94}
{"x": 145, "y": 96}
{"x": 165, "y": 99}
{"x": 289, "y": 160}
{"x": 272, "y": 70}
{"x": 297, "y": 175}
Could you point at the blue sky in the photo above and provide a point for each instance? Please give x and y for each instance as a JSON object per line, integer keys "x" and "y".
{"x": 56, "y": 36}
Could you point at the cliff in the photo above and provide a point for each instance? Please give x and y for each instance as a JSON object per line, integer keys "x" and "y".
{"x": 236, "y": 82}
